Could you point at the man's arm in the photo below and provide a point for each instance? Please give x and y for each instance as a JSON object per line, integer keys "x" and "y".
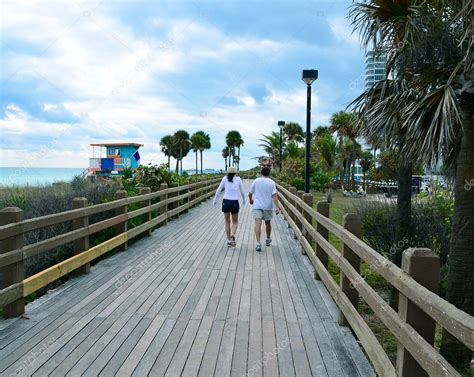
{"x": 251, "y": 191}
{"x": 276, "y": 204}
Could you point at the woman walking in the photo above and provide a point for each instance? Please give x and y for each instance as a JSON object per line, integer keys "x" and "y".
{"x": 230, "y": 204}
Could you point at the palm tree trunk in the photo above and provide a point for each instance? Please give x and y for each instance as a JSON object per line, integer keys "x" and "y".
{"x": 201, "y": 159}
{"x": 460, "y": 291}
{"x": 196, "y": 172}
{"x": 353, "y": 174}
{"x": 238, "y": 158}
{"x": 169, "y": 163}
{"x": 403, "y": 217}
{"x": 177, "y": 165}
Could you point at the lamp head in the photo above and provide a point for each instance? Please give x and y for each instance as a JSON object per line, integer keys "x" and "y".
{"x": 281, "y": 123}
{"x": 309, "y": 76}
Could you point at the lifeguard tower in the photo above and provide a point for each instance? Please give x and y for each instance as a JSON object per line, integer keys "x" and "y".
{"x": 112, "y": 159}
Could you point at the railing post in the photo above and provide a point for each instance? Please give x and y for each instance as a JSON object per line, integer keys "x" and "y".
{"x": 308, "y": 199}
{"x": 82, "y": 244}
{"x": 163, "y": 197}
{"x": 423, "y": 266}
{"x": 323, "y": 209}
{"x": 122, "y": 227}
{"x": 299, "y": 223}
{"x": 351, "y": 222}
{"x": 146, "y": 203}
{"x": 14, "y": 273}
{"x": 293, "y": 216}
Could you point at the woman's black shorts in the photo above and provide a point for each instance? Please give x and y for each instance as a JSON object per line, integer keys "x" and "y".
{"x": 231, "y": 206}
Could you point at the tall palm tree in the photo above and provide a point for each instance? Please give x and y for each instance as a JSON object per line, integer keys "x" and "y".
{"x": 326, "y": 146}
{"x": 271, "y": 146}
{"x": 430, "y": 46}
{"x": 183, "y": 145}
{"x": 207, "y": 145}
{"x": 239, "y": 142}
{"x": 343, "y": 123}
{"x": 365, "y": 163}
{"x": 225, "y": 155}
{"x": 294, "y": 132}
{"x": 199, "y": 142}
{"x": 166, "y": 143}
{"x": 233, "y": 140}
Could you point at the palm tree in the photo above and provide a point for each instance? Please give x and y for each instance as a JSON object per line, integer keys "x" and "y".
{"x": 182, "y": 145}
{"x": 225, "y": 155}
{"x": 233, "y": 140}
{"x": 199, "y": 142}
{"x": 365, "y": 163}
{"x": 326, "y": 146}
{"x": 343, "y": 123}
{"x": 271, "y": 146}
{"x": 431, "y": 48}
{"x": 294, "y": 132}
{"x": 166, "y": 143}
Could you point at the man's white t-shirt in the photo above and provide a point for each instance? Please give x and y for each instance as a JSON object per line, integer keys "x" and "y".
{"x": 263, "y": 188}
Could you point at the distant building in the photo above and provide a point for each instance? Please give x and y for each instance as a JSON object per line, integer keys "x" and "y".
{"x": 112, "y": 159}
{"x": 374, "y": 67}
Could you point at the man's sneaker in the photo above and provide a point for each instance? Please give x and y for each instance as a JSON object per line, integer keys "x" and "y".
{"x": 268, "y": 242}
{"x": 258, "y": 247}
{"x": 229, "y": 243}
{"x": 232, "y": 240}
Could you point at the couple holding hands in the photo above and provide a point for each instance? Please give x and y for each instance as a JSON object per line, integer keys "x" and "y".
{"x": 262, "y": 195}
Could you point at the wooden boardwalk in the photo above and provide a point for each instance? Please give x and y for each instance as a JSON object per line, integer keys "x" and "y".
{"x": 181, "y": 303}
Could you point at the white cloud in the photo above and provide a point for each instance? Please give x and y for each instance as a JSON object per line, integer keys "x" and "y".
{"x": 342, "y": 30}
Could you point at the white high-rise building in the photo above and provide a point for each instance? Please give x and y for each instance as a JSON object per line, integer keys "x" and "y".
{"x": 374, "y": 67}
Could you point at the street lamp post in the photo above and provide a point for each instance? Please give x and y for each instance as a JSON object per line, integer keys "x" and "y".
{"x": 308, "y": 76}
{"x": 281, "y": 124}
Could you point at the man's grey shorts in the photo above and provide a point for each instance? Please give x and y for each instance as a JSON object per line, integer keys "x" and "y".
{"x": 264, "y": 214}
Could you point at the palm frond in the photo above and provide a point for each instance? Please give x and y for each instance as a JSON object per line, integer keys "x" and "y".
{"x": 433, "y": 123}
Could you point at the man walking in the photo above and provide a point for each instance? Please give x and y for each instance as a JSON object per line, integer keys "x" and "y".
{"x": 263, "y": 196}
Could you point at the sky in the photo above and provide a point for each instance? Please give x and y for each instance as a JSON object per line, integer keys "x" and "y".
{"x": 74, "y": 73}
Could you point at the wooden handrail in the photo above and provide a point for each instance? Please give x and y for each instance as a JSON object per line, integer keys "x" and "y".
{"x": 39, "y": 280}
{"x": 14, "y": 229}
{"x": 457, "y": 322}
{"x": 423, "y": 352}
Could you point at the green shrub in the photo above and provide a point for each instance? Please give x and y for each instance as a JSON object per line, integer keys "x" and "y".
{"x": 430, "y": 226}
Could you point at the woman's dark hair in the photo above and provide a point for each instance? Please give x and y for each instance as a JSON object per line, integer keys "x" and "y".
{"x": 230, "y": 177}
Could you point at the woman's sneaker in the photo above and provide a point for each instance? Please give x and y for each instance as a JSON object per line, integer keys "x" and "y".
{"x": 232, "y": 241}
{"x": 229, "y": 243}
{"x": 258, "y": 247}
{"x": 268, "y": 242}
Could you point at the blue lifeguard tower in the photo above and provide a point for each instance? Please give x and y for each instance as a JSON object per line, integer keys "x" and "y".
{"x": 112, "y": 159}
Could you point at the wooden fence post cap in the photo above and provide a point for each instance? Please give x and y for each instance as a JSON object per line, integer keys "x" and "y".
{"x": 80, "y": 199}
{"x": 308, "y": 198}
{"x": 144, "y": 190}
{"x": 11, "y": 210}
{"x": 120, "y": 194}
{"x": 323, "y": 204}
{"x": 10, "y": 215}
{"x": 300, "y": 193}
{"x": 163, "y": 186}
{"x": 293, "y": 190}
{"x": 350, "y": 218}
{"x": 419, "y": 252}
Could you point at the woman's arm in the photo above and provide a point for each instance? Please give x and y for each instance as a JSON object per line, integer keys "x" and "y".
{"x": 219, "y": 189}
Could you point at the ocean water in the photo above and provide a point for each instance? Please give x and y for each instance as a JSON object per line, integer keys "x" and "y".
{"x": 22, "y": 176}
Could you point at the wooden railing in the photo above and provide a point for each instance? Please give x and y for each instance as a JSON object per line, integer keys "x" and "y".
{"x": 420, "y": 308}
{"x": 166, "y": 203}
